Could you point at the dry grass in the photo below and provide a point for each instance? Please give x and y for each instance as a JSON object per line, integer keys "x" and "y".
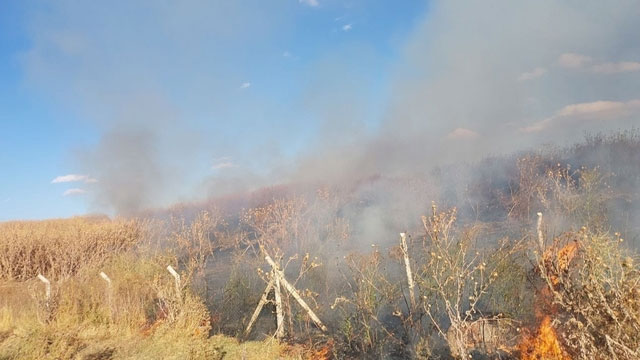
{"x": 140, "y": 317}
{"x": 59, "y": 248}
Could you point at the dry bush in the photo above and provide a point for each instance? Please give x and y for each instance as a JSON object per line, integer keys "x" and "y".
{"x": 579, "y": 196}
{"x": 568, "y": 195}
{"x": 239, "y": 296}
{"x": 191, "y": 245}
{"x": 59, "y": 248}
{"x": 592, "y": 290}
{"x": 368, "y": 297}
{"x": 456, "y": 277}
{"x": 278, "y": 224}
{"x": 525, "y": 190}
{"x": 296, "y": 224}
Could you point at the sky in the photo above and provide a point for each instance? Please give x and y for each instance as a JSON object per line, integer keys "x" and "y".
{"x": 119, "y": 106}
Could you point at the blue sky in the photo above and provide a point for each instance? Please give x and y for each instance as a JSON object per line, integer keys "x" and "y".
{"x": 259, "y": 94}
{"x": 35, "y": 136}
{"x": 118, "y": 106}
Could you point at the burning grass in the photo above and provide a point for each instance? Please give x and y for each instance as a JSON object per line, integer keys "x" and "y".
{"x": 591, "y": 287}
{"x": 543, "y": 344}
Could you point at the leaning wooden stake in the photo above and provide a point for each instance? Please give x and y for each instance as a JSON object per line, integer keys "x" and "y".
{"x": 407, "y": 266}
{"x": 176, "y": 276}
{"x": 47, "y": 286}
{"x": 47, "y": 292}
{"x": 105, "y": 278}
{"x": 294, "y": 293}
{"x": 47, "y": 289}
{"x": 279, "y": 313}
{"x": 109, "y": 290}
{"x": 263, "y": 300}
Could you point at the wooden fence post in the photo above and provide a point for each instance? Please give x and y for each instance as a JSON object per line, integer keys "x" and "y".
{"x": 292, "y": 290}
{"x": 407, "y": 266}
{"x": 263, "y": 300}
{"x": 47, "y": 287}
{"x": 109, "y": 290}
{"x": 176, "y": 276}
{"x": 540, "y": 237}
{"x": 279, "y": 313}
{"x": 106, "y": 278}
{"x": 47, "y": 293}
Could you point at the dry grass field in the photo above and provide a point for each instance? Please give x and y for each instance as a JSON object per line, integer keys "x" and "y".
{"x": 139, "y": 315}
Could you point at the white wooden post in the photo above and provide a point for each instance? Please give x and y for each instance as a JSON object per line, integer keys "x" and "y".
{"x": 106, "y": 278}
{"x": 407, "y": 266}
{"x": 47, "y": 287}
{"x": 279, "y": 313}
{"x": 109, "y": 290}
{"x": 47, "y": 292}
{"x": 540, "y": 237}
{"x": 176, "y": 276}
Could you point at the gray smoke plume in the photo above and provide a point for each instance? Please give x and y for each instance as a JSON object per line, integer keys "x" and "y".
{"x": 156, "y": 80}
{"x": 484, "y": 78}
{"x": 161, "y": 86}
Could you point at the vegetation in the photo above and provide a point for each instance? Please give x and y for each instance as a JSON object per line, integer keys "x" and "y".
{"x": 489, "y": 278}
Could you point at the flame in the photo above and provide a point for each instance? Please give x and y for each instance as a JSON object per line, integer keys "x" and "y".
{"x": 323, "y": 353}
{"x": 563, "y": 258}
{"x": 566, "y": 255}
{"x": 543, "y": 345}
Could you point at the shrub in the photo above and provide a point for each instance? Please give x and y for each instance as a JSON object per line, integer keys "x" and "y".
{"x": 592, "y": 288}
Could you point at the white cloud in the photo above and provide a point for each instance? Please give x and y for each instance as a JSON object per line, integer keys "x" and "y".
{"x": 74, "y": 191}
{"x": 614, "y": 68}
{"x": 223, "y": 163}
{"x": 245, "y": 85}
{"x": 74, "y": 178}
{"x": 533, "y": 74}
{"x": 573, "y": 60}
{"x": 312, "y": 3}
{"x": 577, "y": 61}
{"x": 462, "y": 133}
{"x": 346, "y": 27}
{"x": 596, "y": 110}
{"x": 286, "y": 54}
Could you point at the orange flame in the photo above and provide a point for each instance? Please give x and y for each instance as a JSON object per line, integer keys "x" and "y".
{"x": 323, "y": 353}
{"x": 563, "y": 258}
{"x": 544, "y": 345}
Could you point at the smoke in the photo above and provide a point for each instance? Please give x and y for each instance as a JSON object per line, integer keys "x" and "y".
{"x": 482, "y": 78}
{"x": 159, "y": 83}
{"x": 166, "y": 86}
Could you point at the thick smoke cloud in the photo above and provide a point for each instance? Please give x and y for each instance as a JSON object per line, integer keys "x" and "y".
{"x": 474, "y": 78}
{"x": 484, "y": 78}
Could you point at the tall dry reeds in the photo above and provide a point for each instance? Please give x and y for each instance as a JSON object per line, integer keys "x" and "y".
{"x": 59, "y": 248}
